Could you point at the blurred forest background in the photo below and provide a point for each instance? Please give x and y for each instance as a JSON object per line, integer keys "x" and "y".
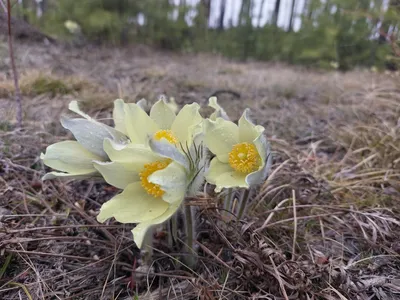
{"x": 339, "y": 34}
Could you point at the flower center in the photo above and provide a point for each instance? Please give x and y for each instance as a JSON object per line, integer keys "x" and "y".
{"x": 148, "y": 169}
{"x": 244, "y": 158}
{"x": 166, "y": 134}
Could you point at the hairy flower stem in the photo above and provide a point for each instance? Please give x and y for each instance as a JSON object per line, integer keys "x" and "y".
{"x": 147, "y": 251}
{"x": 244, "y": 198}
{"x": 172, "y": 229}
{"x": 228, "y": 200}
{"x": 189, "y": 243}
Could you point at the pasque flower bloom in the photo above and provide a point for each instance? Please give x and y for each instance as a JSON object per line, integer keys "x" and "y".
{"x": 75, "y": 158}
{"x": 156, "y": 168}
{"x": 154, "y": 186}
{"x": 159, "y": 158}
{"x": 242, "y": 153}
{"x": 161, "y": 124}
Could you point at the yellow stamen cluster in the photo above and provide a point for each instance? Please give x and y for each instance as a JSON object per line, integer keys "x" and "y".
{"x": 244, "y": 158}
{"x": 148, "y": 169}
{"x": 166, "y": 134}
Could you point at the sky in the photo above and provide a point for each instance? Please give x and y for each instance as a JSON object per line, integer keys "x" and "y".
{"x": 233, "y": 8}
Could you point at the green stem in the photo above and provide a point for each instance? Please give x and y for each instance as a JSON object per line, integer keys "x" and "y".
{"x": 245, "y": 196}
{"x": 147, "y": 251}
{"x": 227, "y": 204}
{"x": 168, "y": 228}
{"x": 190, "y": 227}
{"x": 174, "y": 226}
{"x": 172, "y": 229}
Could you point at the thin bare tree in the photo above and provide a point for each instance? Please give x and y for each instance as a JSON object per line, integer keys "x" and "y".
{"x": 292, "y": 13}
{"x": 275, "y": 14}
{"x": 18, "y": 98}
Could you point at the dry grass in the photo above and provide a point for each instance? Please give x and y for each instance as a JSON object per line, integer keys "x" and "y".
{"x": 325, "y": 225}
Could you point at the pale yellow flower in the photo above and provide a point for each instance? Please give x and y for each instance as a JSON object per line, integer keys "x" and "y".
{"x": 153, "y": 169}
{"x": 69, "y": 157}
{"x": 154, "y": 186}
{"x": 242, "y": 153}
{"x": 75, "y": 158}
{"x": 161, "y": 124}
{"x": 72, "y": 27}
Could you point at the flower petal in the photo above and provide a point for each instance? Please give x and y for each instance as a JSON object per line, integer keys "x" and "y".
{"x": 119, "y": 115}
{"x": 263, "y": 147}
{"x": 215, "y": 169}
{"x": 186, "y": 120}
{"x": 117, "y": 174}
{"x": 248, "y": 132}
{"x": 162, "y": 114}
{"x": 231, "y": 180}
{"x": 90, "y": 134}
{"x": 133, "y": 205}
{"x": 223, "y": 176}
{"x": 53, "y": 175}
{"x": 173, "y": 105}
{"x": 70, "y": 157}
{"x": 116, "y": 135}
{"x": 134, "y": 155}
{"x": 219, "y": 111}
{"x": 138, "y": 124}
{"x": 264, "y": 150}
{"x": 168, "y": 150}
{"x": 142, "y": 103}
{"x": 220, "y": 136}
{"x": 139, "y": 232}
{"x": 172, "y": 180}
{"x": 74, "y": 106}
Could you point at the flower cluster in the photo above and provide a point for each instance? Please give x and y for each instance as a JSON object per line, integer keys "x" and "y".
{"x": 159, "y": 158}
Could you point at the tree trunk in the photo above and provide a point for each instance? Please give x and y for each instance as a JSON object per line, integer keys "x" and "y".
{"x": 260, "y": 13}
{"x": 221, "y": 15}
{"x": 276, "y": 12}
{"x": 308, "y": 9}
{"x": 25, "y": 6}
{"x": 207, "y": 10}
{"x": 292, "y": 15}
{"x": 182, "y": 10}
